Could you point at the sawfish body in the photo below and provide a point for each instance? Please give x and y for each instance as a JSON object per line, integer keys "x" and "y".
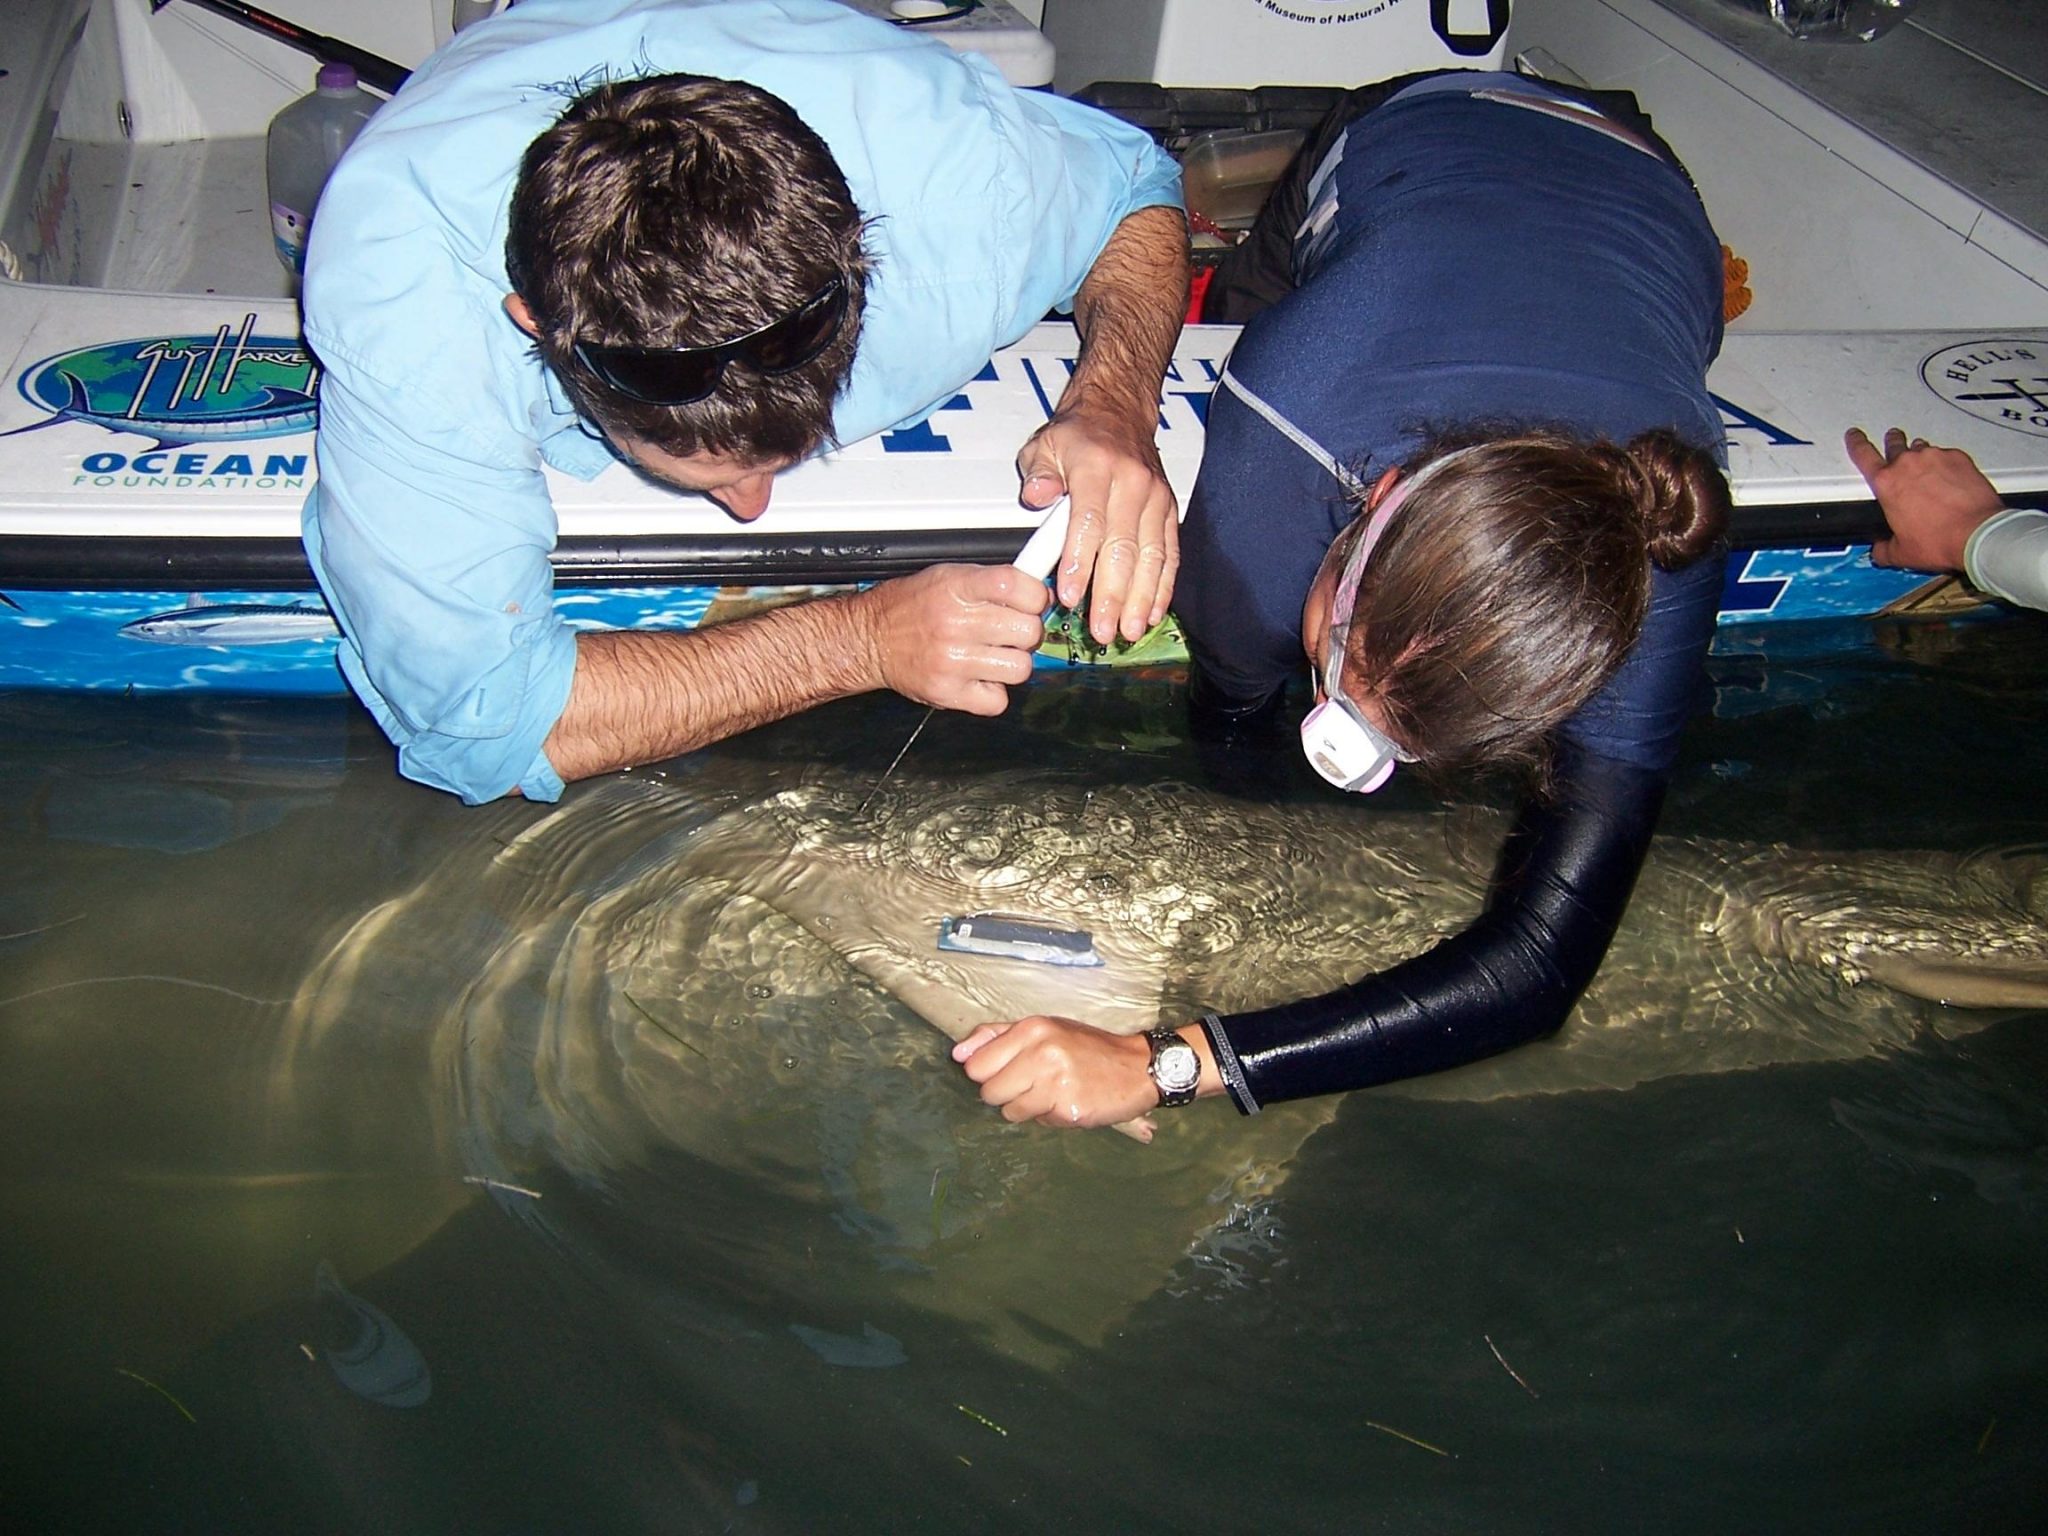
{"x": 729, "y": 965}
{"x": 1732, "y": 956}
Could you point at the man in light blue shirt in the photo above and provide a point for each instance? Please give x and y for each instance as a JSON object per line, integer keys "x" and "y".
{"x": 759, "y": 228}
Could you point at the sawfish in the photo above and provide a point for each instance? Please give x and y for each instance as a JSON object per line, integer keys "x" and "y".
{"x": 1195, "y": 901}
{"x": 733, "y": 962}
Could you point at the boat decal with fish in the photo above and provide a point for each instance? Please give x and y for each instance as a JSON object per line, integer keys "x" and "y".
{"x": 203, "y": 623}
{"x": 231, "y": 385}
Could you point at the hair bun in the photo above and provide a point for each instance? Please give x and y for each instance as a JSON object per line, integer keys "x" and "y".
{"x": 1679, "y": 493}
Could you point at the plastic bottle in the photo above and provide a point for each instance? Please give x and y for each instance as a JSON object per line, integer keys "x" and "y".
{"x": 306, "y": 140}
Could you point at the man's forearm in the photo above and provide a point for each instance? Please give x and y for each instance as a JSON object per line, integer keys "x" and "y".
{"x": 951, "y": 636}
{"x": 1512, "y": 976}
{"x": 1129, "y": 312}
{"x": 640, "y": 696}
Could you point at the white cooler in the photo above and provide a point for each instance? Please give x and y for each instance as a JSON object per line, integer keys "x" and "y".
{"x": 1243, "y": 43}
{"x": 991, "y": 28}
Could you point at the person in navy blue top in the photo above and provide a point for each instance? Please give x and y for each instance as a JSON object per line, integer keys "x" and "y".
{"x": 1464, "y": 459}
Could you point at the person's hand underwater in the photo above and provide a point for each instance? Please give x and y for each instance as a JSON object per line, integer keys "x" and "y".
{"x": 1061, "y": 1072}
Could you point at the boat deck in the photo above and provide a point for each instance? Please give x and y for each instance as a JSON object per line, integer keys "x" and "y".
{"x": 191, "y": 221}
{"x": 1960, "y": 87}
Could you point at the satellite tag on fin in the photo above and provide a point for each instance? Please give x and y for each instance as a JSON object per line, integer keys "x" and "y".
{"x": 1017, "y": 938}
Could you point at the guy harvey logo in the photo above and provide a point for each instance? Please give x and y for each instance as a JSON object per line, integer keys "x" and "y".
{"x": 1998, "y": 379}
{"x": 181, "y": 390}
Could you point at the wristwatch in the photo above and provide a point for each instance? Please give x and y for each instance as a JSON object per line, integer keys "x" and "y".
{"x": 1175, "y": 1068}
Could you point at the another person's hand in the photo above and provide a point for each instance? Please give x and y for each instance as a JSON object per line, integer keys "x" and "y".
{"x": 1123, "y": 540}
{"x": 1060, "y": 1072}
{"x": 1933, "y": 498}
{"x": 956, "y": 636}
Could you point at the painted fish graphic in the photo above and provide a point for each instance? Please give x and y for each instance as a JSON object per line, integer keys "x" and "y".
{"x": 202, "y": 623}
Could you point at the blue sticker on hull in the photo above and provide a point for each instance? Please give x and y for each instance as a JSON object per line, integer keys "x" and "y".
{"x": 1833, "y": 583}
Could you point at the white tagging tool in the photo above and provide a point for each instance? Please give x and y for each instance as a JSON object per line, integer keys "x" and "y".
{"x": 1041, "y": 552}
{"x": 1038, "y": 557}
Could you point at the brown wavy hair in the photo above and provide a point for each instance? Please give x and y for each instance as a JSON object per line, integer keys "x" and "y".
{"x": 679, "y": 211}
{"x": 1511, "y": 584}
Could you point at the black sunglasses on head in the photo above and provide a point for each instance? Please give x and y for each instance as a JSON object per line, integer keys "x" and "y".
{"x": 685, "y": 375}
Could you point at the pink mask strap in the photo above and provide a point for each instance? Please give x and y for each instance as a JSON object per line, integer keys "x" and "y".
{"x": 1346, "y": 597}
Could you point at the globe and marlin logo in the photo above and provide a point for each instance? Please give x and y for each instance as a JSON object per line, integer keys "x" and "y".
{"x": 191, "y": 391}
{"x": 181, "y": 390}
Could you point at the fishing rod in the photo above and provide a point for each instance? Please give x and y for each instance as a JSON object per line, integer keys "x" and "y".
{"x": 373, "y": 69}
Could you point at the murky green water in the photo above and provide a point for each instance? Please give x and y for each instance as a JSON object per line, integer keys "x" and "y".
{"x": 646, "y": 1205}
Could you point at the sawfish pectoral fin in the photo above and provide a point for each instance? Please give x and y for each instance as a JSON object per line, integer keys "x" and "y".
{"x": 1977, "y": 983}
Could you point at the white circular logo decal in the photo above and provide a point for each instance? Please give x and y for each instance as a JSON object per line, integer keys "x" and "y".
{"x": 2001, "y": 379}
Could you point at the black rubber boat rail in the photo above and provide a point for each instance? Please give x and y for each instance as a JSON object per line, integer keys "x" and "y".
{"x": 73, "y": 563}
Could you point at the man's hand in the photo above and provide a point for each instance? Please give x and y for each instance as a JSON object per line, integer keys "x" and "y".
{"x": 1124, "y": 521}
{"x": 1060, "y": 1072}
{"x": 956, "y": 636}
{"x": 1933, "y": 498}
{"x": 952, "y": 636}
{"x": 1099, "y": 447}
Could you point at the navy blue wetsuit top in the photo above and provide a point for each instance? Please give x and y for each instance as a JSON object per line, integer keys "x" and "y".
{"x": 1466, "y": 260}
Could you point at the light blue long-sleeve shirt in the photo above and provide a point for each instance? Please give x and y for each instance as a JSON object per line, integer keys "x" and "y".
{"x": 430, "y": 526}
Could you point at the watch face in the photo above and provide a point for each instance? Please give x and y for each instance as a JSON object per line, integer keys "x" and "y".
{"x": 1177, "y": 1068}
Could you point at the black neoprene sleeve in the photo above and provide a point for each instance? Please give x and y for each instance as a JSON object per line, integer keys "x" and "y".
{"x": 1513, "y": 976}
